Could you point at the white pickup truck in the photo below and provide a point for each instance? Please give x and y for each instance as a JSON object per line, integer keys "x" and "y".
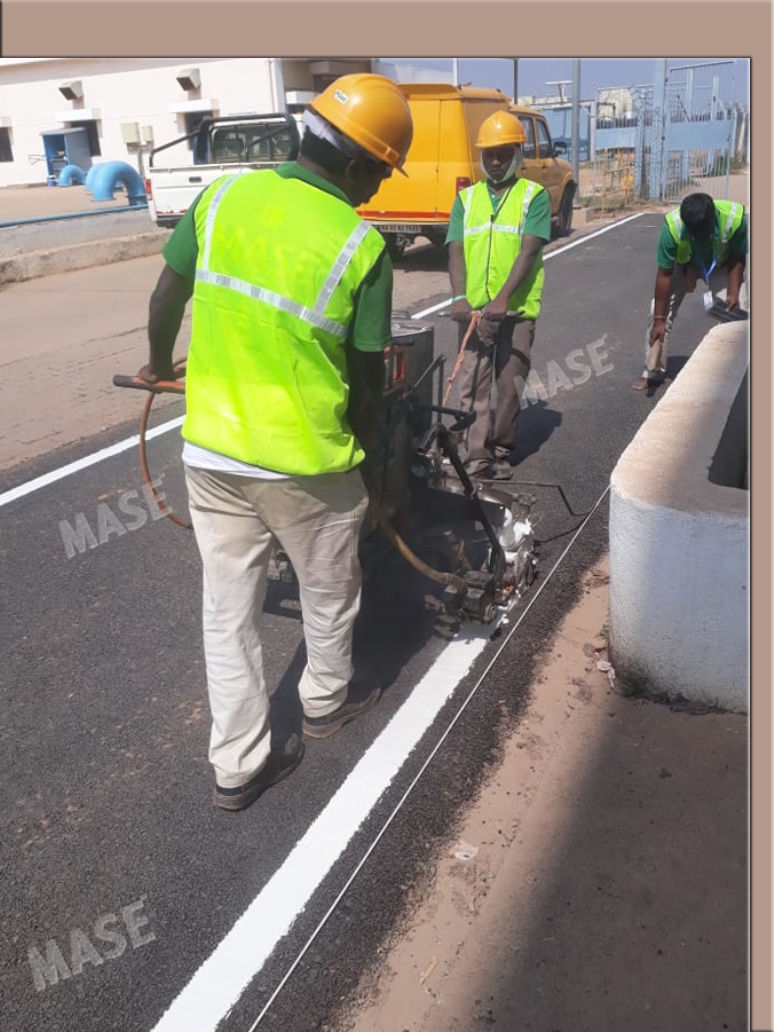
{"x": 218, "y": 144}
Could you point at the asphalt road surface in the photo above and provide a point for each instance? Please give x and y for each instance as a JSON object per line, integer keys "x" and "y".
{"x": 129, "y": 902}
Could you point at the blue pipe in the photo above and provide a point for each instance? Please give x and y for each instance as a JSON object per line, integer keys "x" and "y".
{"x": 112, "y": 174}
{"x": 71, "y": 175}
{"x": 71, "y": 215}
{"x": 90, "y": 176}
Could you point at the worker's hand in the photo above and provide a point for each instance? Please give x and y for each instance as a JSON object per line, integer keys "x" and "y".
{"x": 657, "y": 332}
{"x": 732, "y": 301}
{"x": 461, "y": 311}
{"x": 496, "y": 310}
{"x": 152, "y": 375}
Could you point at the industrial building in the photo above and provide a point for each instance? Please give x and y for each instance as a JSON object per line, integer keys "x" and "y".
{"x": 55, "y": 111}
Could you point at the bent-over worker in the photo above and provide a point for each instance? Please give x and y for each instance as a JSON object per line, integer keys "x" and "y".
{"x": 701, "y": 239}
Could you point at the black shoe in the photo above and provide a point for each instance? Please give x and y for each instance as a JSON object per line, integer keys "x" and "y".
{"x": 500, "y": 471}
{"x": 324, "y": 727}
{"x": 647, "y": 383}
{"x": 479, "y": 470}
{"x": 280, "y": 763}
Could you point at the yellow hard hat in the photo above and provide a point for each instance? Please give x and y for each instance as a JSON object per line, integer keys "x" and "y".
{"x": 372, "y": 111}
{"x": 499, "y": 129}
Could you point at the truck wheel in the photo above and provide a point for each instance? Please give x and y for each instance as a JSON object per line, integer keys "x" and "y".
{"x": 437, "y": 237}
{"x": 565, "y": 211}
{"x": 396, "y": 245}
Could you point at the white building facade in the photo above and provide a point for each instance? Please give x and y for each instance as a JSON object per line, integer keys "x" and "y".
{"x": 128, "y": 106}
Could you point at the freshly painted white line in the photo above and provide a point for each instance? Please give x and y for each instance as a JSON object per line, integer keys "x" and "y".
{"x": 429, "y": 311}
{"x": 590, "y": 236}
{"x": 88, "y": 460}
{"x": 219, "y": 982}
{"x": 551, "y": 254}
{"x": 377, "y": 838}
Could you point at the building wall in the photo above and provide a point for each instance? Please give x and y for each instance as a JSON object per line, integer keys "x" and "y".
{"x": 117, "y": 91}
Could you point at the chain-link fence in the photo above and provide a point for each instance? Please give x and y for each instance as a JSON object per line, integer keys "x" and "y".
{"x": 679, "y": 134}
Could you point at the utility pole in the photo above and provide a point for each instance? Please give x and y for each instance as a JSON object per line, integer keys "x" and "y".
{"x": 456, "y": 71}
{"x": 515, "y": 80}
{"x": 576, "y": 119}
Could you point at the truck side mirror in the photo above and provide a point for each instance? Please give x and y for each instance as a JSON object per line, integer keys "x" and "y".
{"x": 560, "y": 148}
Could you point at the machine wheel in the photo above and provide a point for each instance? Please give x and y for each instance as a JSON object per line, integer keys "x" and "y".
{"x": 565, "y": 211}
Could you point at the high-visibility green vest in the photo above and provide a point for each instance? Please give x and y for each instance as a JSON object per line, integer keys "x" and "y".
{"x": 278, "y": 267}
{"x": 728, "y": 218}
{"x": 492, "y": 242}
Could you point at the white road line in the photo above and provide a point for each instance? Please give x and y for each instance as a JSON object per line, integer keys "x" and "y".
{"x": 217, "y": 985}
{"x": 88, "y": 460}
{"x": 220, "y": 981}
{"x": 551, "y": 254}
{"x": 428, "y": 761}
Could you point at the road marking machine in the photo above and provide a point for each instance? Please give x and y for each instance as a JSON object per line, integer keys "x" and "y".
{"x": 473, "y": 543}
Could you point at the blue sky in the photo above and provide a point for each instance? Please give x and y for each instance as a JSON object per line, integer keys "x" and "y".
{"x": 595, "y": 72}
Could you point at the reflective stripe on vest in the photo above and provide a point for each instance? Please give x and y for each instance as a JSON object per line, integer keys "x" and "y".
{"x": 279, "y": 265}
{"x": 728, "y": 218}
{"x": 491, "y": 247}
{"x": 314, "y": 316}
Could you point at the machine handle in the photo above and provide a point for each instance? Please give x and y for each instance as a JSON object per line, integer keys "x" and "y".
{"x": 160, "y": 387}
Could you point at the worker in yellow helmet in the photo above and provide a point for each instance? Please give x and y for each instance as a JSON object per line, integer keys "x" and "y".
{"x": 291, "y": 313}
{"x": 497, "y": 229}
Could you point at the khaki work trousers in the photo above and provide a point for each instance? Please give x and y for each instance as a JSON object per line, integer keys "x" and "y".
{"x": 684, "y": 281}
{"x": 499, "y": 354}
{"x": 237, "y": 520}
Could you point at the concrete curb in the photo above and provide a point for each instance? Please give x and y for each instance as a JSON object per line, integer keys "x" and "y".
{"x": 80, "y": 256}
{"x": 679, "y": 535}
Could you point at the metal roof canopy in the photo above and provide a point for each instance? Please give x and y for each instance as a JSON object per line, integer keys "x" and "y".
{"x": 62, "y": 132}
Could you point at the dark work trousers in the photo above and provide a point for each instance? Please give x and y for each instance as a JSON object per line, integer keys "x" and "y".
{"x": 496, "y": 354}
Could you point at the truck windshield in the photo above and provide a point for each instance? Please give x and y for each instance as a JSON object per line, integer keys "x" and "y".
{"x": 270, "y": 143}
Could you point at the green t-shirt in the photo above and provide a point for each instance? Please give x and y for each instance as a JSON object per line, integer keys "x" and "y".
{"x": 370, "y": 328}
{"x": 703, "y": 251}
{"x": 537, "y": 223}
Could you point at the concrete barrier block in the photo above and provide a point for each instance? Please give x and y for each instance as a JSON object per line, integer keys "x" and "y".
{"x": 679, "y": 536}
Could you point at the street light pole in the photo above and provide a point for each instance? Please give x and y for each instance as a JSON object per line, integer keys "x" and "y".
{"x": 515, "y": 80}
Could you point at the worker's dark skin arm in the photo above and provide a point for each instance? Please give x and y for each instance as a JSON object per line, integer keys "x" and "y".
{"x": 736, "y": 266}
{"x": 531, "y": 247}
{"x": 661, "y": 294}
{"x": 165, "y": 314}
{"x": 366, "y": 386}
{"x": 460, "y": 310}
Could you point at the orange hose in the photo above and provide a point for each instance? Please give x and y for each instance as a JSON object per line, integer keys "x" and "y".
{"x": 179, "y": 368}
{"x": 474, "y": 321}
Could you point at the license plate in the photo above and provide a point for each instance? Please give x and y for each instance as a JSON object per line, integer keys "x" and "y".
{"x": 397, "y": 227}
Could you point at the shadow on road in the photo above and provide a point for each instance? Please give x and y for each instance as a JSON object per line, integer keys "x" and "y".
{"x": 637, "y": 916}
{"x": 536, "y": 424}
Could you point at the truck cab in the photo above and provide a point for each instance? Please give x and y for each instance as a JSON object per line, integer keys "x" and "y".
{"x": 443, "y": 159}
{"x": 543, "y": 164}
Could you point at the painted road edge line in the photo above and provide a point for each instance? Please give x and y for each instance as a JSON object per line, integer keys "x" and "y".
{"x": 88, "y": 460}
{"x": 428, "y": 760}
{"x": 551, "y": 254}
{"x": 220, "y": 981}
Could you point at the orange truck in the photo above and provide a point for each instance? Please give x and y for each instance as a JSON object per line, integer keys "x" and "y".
{"x": 443, "y": 159}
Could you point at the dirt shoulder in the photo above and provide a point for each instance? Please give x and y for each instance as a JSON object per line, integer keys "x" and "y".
{"x": 599, "y": 881}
